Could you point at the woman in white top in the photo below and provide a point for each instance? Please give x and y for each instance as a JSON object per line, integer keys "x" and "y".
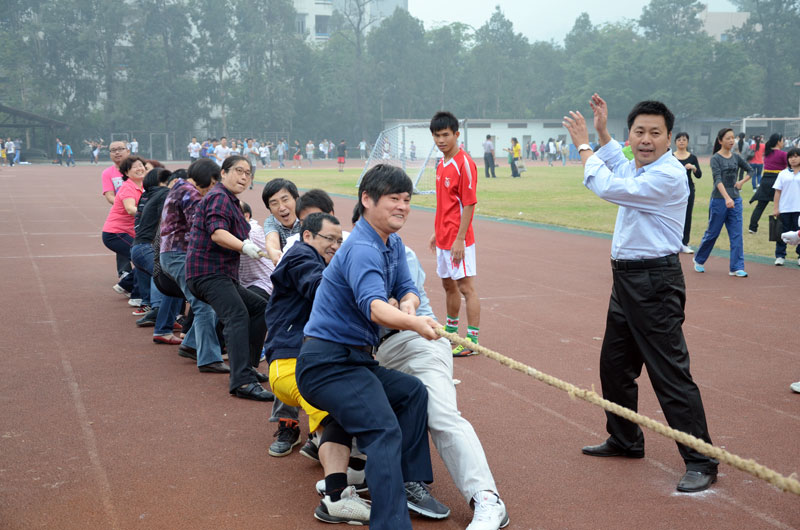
{"x": 787, "y": 202}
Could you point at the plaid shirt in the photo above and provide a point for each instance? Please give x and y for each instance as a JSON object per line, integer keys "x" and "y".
{"x": 177, "y": 216}
{"x": 219, "y": 210}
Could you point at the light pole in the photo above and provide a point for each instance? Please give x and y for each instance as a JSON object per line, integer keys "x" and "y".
{"x": 798, "y": 105}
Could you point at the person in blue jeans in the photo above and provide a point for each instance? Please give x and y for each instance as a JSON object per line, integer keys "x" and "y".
{"x": 726, "y": 204}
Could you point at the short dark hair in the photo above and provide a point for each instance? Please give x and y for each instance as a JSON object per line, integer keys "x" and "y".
{"x": 203, "y": 172}
{"x": 126, "y": 164}
{"x": 682, "y": 134}
{"x": 380, "y": 180}
{"x": 156, "y": 176}
{"x": 228, "y": 163}
{"x": 444, "y": 120}
{"x": 488, "y": 136}
{"x": 313, "y": 223}
{"x": 314, "y": 198}
{"x": 653, "y": 108}
{"x": 274, "y": 186}
{"x": 246, "y": 208}
{"x": 794, "y": 151}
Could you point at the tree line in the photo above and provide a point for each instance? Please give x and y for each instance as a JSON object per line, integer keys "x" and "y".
{"x": 240, "y": 65}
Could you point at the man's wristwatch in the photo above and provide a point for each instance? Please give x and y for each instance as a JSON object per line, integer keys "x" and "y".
{"x": 584, "y": 147}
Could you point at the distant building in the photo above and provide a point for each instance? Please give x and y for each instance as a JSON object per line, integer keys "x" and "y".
{"x": 720, "y": 24}
{"x": 313, "y": 19}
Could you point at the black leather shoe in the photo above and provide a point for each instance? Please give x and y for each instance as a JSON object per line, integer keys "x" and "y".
{"x": 606, "y": 449}
{"x": 694, "y": 481}
{"x": 255, "y": 392}
{"x": 262, "y": 378}
{"x": 186, "y": 351}
{"x": 215, "y": 368}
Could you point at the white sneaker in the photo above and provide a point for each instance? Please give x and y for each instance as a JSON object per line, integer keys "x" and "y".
{"x": 687, "y": 249}
{"x": 795, "y": 387}
{"x": 357, "y": 479}
{"x": 350, "y": 509}
{"x": 135, "y": 302}
{"x": 779, "y": 261}
{"x": 490, "y": 512}
{"x": 798, "y": 261}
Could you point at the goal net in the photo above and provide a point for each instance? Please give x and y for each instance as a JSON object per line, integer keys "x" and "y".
{"x": 409, "y": 146}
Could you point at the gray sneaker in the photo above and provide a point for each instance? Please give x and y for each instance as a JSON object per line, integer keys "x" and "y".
{"x": 288, "y": 435}
{"x": 420, "y": 500}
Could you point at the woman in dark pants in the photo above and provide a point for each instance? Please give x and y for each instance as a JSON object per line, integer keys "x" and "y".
{"x": 691, "y": 164}
{"x": 218, "y": 238}
{"x": 774, "y": 162}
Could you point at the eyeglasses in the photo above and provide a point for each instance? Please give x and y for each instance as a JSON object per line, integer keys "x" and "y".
{"x": 331, "y": 239}
{"x": 242, "y": 171}
{"x": 118, "y": 149}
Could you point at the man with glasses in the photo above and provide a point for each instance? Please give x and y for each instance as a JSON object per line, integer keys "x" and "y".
{"x": 112, "y": 178}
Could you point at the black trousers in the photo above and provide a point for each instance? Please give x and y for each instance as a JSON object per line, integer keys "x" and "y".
{"x": 488, "y": 164}
{"x": 643, "y": 327}
{"x": 687, "y": 225}
{"x": 242, "y": 315}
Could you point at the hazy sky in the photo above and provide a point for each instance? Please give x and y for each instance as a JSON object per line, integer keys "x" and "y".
{"x": 536, "y": 19}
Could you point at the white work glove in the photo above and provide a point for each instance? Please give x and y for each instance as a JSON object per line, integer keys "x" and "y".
{"x": 250, "y": 249}
{"x": 791, "y": 238}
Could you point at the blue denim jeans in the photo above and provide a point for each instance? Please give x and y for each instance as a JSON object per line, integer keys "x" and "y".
{"x": 720, "y": 215}
{"x": 758, "y": 169}
{"x": 202, "y": 335}
{"x": 142, "y": 258}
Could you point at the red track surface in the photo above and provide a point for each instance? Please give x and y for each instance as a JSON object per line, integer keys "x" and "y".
{"x": 101, "y": 428}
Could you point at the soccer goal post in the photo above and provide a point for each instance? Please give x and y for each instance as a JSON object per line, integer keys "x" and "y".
{"x": 409, "y": 146}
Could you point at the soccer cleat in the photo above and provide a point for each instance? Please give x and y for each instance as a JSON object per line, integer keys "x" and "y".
{"x": 350, "y": 509}
{"x": 779, "y": 262}
{"x": 288, "y": 435}
{"x": 420, "y": 500}
{"x": 311, "y": 450}
{"x": 698, "y": 267}
{"x": 462, "y": 351}
{"x": 739, "y": 274}
{"x": 355, "y": 478}
{"x": 490, "y": 512}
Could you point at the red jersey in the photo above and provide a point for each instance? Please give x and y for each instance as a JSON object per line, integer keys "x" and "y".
{"x": 456, "y": 182}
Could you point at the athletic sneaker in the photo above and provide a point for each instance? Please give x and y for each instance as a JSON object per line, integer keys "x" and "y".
{"x": 490, "y": 512}
{"x": 795, "y": 387}
{"x": 350, "y": 509}
{"x": 420, "y": 500}
{"x": 739, "y": 274}
{"x": 288, "y": 435}
{"x": 462, "y": 351}
{"x": 263, "y": 355}
{"x": 311, "y": 450}
{"x": 686, "y": 249}
{"x": 698, "y": 267}
{"x": 141, "y": 310}
{"x": 355, "y": 478}
{"x": 121, "y": 290}
{"x": 135, "y": 302}
{"x": 779, "y": 261}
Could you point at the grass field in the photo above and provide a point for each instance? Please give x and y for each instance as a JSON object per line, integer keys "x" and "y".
{"x": 548, "y": 195}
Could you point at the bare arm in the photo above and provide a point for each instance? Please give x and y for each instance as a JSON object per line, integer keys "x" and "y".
{"x": 129, "y": 205}
{"x": 776, "y": 210}
{"x": 273, "y": 247}
{"x": 457, "y": 251}
{"x": 227, "y": 240}
{"x": 109, "y": 195}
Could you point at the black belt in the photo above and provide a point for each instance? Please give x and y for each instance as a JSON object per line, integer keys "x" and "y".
{"x": 635, "y": 264}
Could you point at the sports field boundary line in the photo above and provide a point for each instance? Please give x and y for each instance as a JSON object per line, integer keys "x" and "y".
{"x": 752, "y": 258}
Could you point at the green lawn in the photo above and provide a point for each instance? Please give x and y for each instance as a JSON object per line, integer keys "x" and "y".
{"x": 548, "y": 195}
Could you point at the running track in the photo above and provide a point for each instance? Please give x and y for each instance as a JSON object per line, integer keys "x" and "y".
{"x": 101, "y": 428}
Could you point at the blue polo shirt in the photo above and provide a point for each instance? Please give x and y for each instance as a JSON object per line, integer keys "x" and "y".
{"x": 362, "y": 270}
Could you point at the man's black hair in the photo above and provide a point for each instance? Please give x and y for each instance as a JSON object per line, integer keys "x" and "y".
{"x": 652, "y": 108}
{"x": 274, "y": 186}
{"x": 488, "y": 136}
{"x": 315, "y": 198}
{"x": 246, "y": 208}
{"x": 203, "y": 172}
{"x": 313, "y": 223}
{"x": 444, "y": 120}
{"x": 381, "y": 180}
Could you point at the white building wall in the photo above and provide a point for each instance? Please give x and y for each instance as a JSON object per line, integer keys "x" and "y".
{"x": 313, "y": 19}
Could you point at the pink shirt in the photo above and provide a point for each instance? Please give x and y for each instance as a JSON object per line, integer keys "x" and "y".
{"x": 112, "y": 179}
{"x": 119, "y": 221}
{"x": 758, "y": 157}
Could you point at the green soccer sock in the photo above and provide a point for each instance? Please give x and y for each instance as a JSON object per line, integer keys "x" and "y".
{"x": 452, "y": 324}
{"x": 472, "y": 333}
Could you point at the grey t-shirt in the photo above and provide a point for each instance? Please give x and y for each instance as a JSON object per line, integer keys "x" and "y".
{"x": 726, "y": 170}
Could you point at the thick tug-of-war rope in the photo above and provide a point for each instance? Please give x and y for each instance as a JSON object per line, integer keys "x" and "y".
{"x": 752, "y": 467}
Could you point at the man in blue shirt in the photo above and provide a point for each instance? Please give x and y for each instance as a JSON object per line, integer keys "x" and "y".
{"x": 336, "y": 371}
{"x": 646, "y": 310}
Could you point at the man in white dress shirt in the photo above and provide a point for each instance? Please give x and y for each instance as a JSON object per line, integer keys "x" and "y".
{"x": 646, "y": 310}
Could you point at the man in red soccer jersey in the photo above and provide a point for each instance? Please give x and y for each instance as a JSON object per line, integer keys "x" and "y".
{"x": 453, "y": 240}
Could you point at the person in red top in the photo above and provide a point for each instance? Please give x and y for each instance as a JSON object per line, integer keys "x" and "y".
{"x": 453, "y": 240}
